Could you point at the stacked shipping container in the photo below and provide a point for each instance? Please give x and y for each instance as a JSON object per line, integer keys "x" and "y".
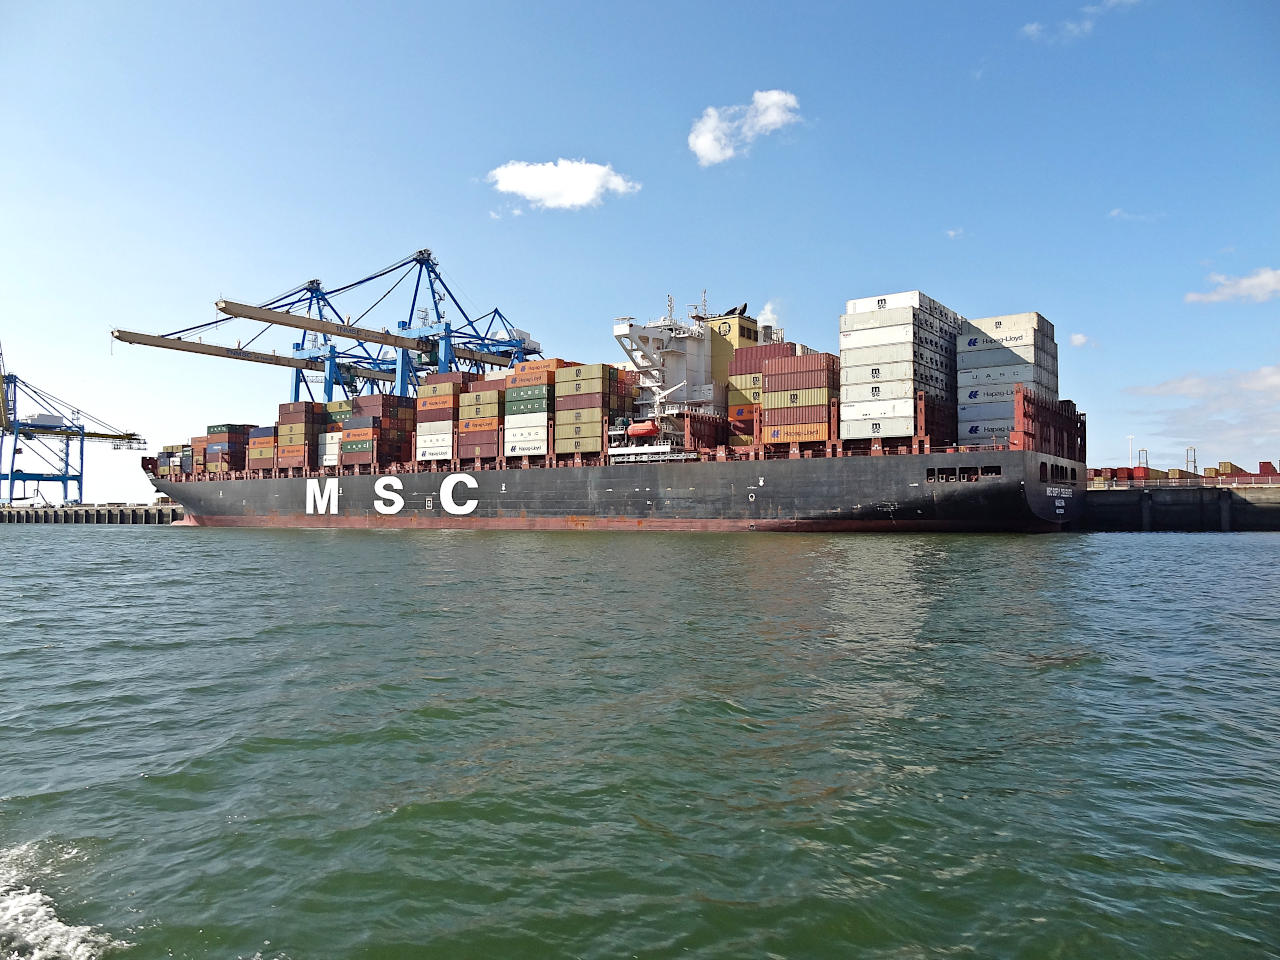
{"x": 994, "y": 355}
{"x": 746, "y": 388}
{"x": 797, "y": 397}
{"x": 530, "y": 394}
{"x": 587, "y": 397}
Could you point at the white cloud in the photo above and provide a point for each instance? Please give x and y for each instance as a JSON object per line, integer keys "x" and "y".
{"x": 1234, "y": 411}
{"x": 494, "y": 215}
{"x": 1259, "y": 286}
{"x": 1119, "y": 213}
{"x": 955, "y": 234}
{"x": 768, "y": 314}
{"x": 721, "y": 132}
{"x": 1079, "y": 339}
{"x": 1078, "y": 29}
{"x": 562, "y": 185}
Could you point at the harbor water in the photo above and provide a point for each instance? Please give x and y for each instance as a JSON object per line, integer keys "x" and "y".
{"x": 345, "y": 744}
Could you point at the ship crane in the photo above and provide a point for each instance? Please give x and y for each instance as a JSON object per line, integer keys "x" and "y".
{"x": 377, "y": 360}
{"x": 50, "y": 435}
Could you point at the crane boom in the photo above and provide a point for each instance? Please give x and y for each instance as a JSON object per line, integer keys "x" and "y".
{"x": 214, "y": 350}
{"x": 351, "y": 332}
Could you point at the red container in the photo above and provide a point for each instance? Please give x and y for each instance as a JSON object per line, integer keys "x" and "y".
{"x": 304, "y": 406}
{"x": 803, "y": 380}
{"x": 790, "y": 416}
{"x": 478, "y": 436}
{"x": 751, "y": 359}
{"x": 447, "y": 378}
{"x": 299, "y": 416}
{"x": 810, "y": 361}
{"x": 346, "y": 459}
{"x": 435, "y": 416}
{"x": 581, "y": 401}
{"x": 482, "y": 451}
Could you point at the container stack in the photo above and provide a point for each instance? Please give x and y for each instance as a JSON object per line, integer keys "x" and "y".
{"x": 227, "y": 444}
{"x": 391, "y": 422}
{"x": 297, "y": 434}
{"x": 169, "y": 460}
{"x": 587, "y": 397}
{"x": 436, "y": 416}
{"x": 198, "y": 447}
{"x": 994, "y": 355}
{"x": 746, "y": 388}
{"x": 262, "y": 448}
{"x": 530, "y": 393}
{"x": 359, "y": 441}
{"x": 480, "y": 412}
{"x": 892, "y": 348}
{"x": 797, "y": 397}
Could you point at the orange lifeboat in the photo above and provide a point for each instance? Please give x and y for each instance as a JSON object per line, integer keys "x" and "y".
{"x": 646, "y": 429}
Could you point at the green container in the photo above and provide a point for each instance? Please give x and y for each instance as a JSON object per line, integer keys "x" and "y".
{"x": 356, "y": 446}
{"x": 527, "y": 406}
{"x": 527, "y": 393}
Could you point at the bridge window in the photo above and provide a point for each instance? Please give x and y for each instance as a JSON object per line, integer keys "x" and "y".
{"x": 930, "y": 475}
{"x": 1044, "y": 472}
{"x": 991, "y": 471}
{"x": 946, "y": 474}
{"x": 968, "y": 474}
{"x": 1073, "y": 474}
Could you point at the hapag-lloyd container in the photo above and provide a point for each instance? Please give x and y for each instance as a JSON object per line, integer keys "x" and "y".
{"x": 525, "y": 448}
{"x": 1007, "y": 323}
{"x": 994, "y": 410}
{"x": 1022, "y": 338}
{"x": 1006, "y": 356}
{"x": 984, "y": 430}
{"x": 796, "y": 433}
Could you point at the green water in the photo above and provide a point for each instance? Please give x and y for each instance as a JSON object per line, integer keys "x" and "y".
{"x": 337, "y": 744}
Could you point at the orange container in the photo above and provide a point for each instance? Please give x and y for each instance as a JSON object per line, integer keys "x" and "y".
{"x": 536, "y": 366}
{"x": 364, "y": 433}
{"x": 796, "y": 433}
{"x": 477, "y": 424}
{"x": 535, "y": 378}
{"x": 441, "y": 402}
{"x": 261, "y": 443}
{"x": 293, "y": 450}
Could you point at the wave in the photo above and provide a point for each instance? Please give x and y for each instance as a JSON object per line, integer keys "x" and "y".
{"x": 30, "y": 928}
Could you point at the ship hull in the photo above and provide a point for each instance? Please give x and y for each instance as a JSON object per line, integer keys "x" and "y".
{"x": 843, "y": 494}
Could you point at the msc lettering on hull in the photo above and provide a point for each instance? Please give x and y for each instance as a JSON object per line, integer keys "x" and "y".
{"x": 322, "y": 495}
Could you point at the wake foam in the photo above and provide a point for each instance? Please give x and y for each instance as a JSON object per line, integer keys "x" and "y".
{"x": 29, "y": 925}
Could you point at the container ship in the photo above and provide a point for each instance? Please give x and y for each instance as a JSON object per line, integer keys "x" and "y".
{"x": 922, "y": 421}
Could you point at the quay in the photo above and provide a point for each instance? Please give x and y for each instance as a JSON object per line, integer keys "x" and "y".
{"x": 1170, "y": 506}
{"x": 113, "y": 513}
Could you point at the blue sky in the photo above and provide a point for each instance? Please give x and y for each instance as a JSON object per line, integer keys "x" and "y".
{"x": 1096, "y": 162}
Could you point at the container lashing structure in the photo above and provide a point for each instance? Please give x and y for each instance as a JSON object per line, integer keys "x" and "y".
{"x": 376, "y": 361}
{"x": 53, "y": 433}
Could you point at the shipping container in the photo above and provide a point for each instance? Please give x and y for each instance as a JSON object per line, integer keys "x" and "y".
{"x": 879, "y": 410}
{"x": 788, "y": 416}
{"x": 587, "y": 429}
{"x": 796, "y": 398}
{"x": 747, "y": 382}
{"x": 517, "y": 421}
{"x": 885, "y": 427}
{"x": 438, "y": 415}
{"x": 429, "y": 390}
{"x": 514, "y": 408}
{"x": 525, "y": 448}
{"x": 477, "y": 451}
{"x": 1006, "y": 356}
{"x": 550, "y": 364}
{"x": 751, "y": 359}
{"x": 441, "y": 402}
{"x": 525, "y": 433}
{"x": 436, "y": 428}
{"x": 529, "y": 393}
{"x": 804, "y": 363}
{"x": 798, "y": 433}
{"x": 579, "y": 445}
{"x": 532, "y": 379}
{"x": 991, "y": 410}
{"x": 803, "y": 380}
{"x": 582, "y": 401}
{"x": 446, "y": 377}
{"x": 587, "y": 371}
{"x": 478, "y": 424}
{"x": 1026, "y": 373}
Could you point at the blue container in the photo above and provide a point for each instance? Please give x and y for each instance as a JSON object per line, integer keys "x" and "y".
{"x": 262, "y": 432}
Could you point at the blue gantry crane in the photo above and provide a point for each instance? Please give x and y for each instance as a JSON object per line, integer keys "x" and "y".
{"x": 50, "y": 435}
{"x": 387, "y": 361}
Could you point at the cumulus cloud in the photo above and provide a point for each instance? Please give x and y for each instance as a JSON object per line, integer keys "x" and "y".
{"x": 1079, "y": 339}
{"x": 722, "y": 132}
{"x": 562, "y": 185}
{"x": 1234, "y": 411}
{"x": 1076, "y": 29}
{"x": 1119, "y": 213}
{"x": 768, "y": 314}
{"x": 955, "y": 234}
{"x": 1259, "y": 286}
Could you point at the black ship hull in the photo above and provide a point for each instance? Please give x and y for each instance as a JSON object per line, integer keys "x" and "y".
{"x": 1008, "y": 490}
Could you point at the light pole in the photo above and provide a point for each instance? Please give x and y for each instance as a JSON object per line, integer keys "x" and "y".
{"x": 1130, "y": 439}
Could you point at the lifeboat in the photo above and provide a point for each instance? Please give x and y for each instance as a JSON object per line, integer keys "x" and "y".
{"x": 646, "y": 429}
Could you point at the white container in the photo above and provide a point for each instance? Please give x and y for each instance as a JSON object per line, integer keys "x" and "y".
{"x": 863, "y": 429}
{"x": 435, "y": 428}
{"x": 1027, "y": 373}
{"x": 878, "y": 410}
{"x": 1006, "y": 356}
{"x": 1007, "y": 323}
{"x": 875, "y": 336}
{"x": 434, "y": 453}
{"x": 517, "y": 420}
{"x": 328, "y": 459}
{"x": 879, "y": 390}
{"x": 524, "y": 448}
{"x": 851, "y": 373}
{"x": 524, "y": 434}
{"x": 972, "y": 339}
{"x": 877, "y": 318}
{"x": 984, "y": 429}
{"x": 981, "y": 412}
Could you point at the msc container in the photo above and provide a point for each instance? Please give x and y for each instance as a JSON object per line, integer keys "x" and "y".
{"x": 477, "y": 451}
{"x": 787, "y": 416}
{"x": 876, "y": 372}
{"x": 998, "y": 326}
{"x": 447, "y": 377}
{"x": 519, "y": 420}
{"x": 586, "y": 371}
{"x": 879, "y": 410}
{"x": 483, "y": 397}
{"x": 566, "y": 430}
{"x": 740, "y": 398}
{"x": 262, "y": 453}
{"x": 797, "y": 433}
{"x": 478, "y": 424}
{"x": 991, "y": 410}
{"x": 884, "y": 427}
{"x": 879, "y": 390}
{"x": 582, "y": 387}
{"x": 876, "y": 336}
{"x": 428, "y": 390}
{"x": 748, "y": 381}
{"x": 586, "y": 415}
{"x": 579, "y": 444}
{"x": 796, "y": 398}
{"x": 470, "y": 411}
{"x": 804, "y": 380}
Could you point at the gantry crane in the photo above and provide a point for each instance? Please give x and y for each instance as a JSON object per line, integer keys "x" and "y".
{"x": 378, "y": 360}
{"x": 53, "y": 433}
